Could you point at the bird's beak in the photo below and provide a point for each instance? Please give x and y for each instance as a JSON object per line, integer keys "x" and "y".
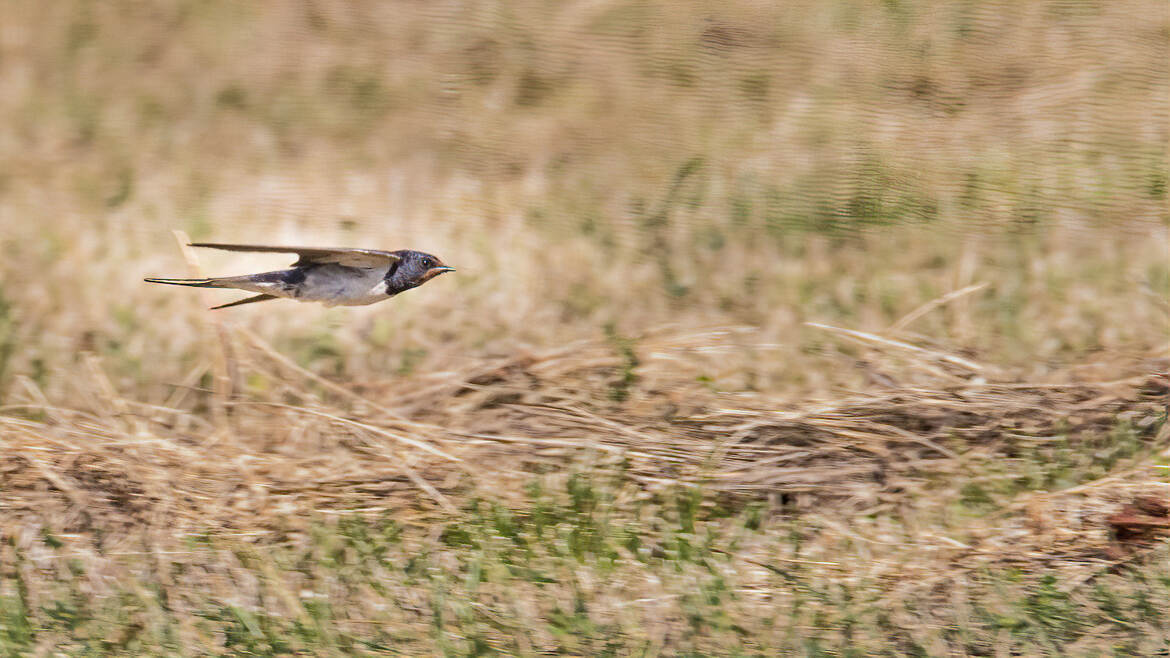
{"x": 440, "y": 270}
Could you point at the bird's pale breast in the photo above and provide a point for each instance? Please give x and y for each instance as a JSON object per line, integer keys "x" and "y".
{"x": 337, "y": 285}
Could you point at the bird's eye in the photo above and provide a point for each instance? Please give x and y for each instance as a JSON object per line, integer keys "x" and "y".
{"x": 428, "y": 263}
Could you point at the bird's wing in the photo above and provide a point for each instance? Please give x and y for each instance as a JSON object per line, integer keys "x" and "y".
{"x": 348, "y": 256}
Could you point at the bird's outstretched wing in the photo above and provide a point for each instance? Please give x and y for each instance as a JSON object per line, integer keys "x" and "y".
{"x": 348, "y": 256}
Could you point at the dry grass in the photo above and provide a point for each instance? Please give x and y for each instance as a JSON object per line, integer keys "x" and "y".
{"x": 815, "y": 328}
{"x": 307, "y": 444}
{"x": 916, "y": 487}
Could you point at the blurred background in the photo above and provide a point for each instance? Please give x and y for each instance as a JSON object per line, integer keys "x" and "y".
{"x": 647, "y": 202}
{"x": 587, "y": 164}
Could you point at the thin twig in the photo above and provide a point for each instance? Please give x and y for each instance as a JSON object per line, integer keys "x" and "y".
{"x": 935, "y": 303}
{"x": 228, "y": 379}
{"x": 873, "y": 338}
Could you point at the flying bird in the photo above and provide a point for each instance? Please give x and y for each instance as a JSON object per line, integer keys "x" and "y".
{"x": 334, "y": 276}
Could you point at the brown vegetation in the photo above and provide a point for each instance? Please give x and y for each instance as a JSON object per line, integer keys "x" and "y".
{"x": 797, "y": 328}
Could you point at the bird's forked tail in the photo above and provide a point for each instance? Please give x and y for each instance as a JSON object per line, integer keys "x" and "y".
{"x": 225, "y": 282}
{"x": 195, "y": 283}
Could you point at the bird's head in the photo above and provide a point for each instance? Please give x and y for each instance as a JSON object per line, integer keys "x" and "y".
{"x": 413, "y": 268}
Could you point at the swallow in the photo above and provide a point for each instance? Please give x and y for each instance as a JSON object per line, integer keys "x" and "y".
{"x": 333, "y": 276}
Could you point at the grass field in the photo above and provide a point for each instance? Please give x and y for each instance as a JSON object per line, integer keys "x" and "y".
{"x": 809, "y": 328}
